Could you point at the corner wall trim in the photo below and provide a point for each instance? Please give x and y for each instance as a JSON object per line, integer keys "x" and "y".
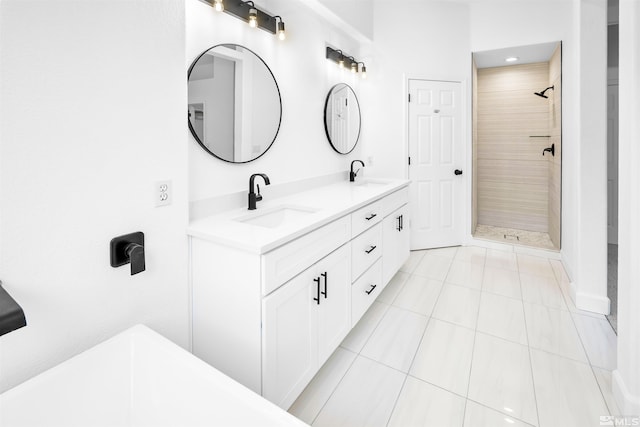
{"x": 628, "y": 403}
{"x": 589, "y": 302}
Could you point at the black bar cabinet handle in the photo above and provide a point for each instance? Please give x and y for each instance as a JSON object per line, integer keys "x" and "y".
{"x": 325, "y": 285}
{"x": 399, "y": 227}
{"x": 370, "y": 290}
{"x": 317, "y": 299}
{"x": 369, "y": 218}
{"x": 371, "y": 250}
{"x": 401, "y": 222}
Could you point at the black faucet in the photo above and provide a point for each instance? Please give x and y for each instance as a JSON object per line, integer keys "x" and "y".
{"x": 253, "y": 197}
{"x": 352, "y": 174}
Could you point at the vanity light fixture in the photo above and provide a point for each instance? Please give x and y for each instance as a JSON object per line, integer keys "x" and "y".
{"x": 354, "y": 65}
{"x": 341, "y": 60}
{"x": 250, "y": 13}
{"x": 253, "y": 15}
{"x": 281, "y": 34}
{"x": 345, "y": 61}
{"x": 363, "y": 70}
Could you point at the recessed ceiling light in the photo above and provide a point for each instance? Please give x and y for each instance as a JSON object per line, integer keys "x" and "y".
{"x": 511, "y": 59}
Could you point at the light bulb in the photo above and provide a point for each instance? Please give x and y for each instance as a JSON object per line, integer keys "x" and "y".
{"x": 253, "y": 18}
{"x": 341, "y": 63}
{"x": 219, "y": 5}
{"x": 354, "y": 67}
{"x": 364, "y": 72}
{"x": 281, "y": 34}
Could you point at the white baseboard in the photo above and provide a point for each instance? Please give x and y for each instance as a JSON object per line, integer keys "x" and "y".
{"x": 627, "y": 402}
{"x": 589, "y": 302}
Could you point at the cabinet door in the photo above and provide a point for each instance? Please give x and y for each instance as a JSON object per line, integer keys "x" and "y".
{"x": 395, "y": 242}
{"x": 290, "y": 339}
{"x": 334, "y": 320}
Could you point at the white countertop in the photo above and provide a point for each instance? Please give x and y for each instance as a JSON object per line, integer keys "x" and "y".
{"x": 329, "y": 203}
{"x": 137, "y": 378}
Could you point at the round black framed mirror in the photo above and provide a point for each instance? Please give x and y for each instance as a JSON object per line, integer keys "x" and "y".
{"x": 234, "y": 103}
{"x": 342, "y": 118}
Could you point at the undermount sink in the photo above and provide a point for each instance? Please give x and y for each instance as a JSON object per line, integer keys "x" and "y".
{"x": 277, "y": 216}
{"x": 371, "y": 182}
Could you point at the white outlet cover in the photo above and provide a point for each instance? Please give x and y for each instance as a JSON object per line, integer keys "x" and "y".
{"x": 162, "y": 193}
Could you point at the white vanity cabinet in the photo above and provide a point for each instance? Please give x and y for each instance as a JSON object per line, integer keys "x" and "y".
{"x": 381, "y": 249}
{"x": 395, "y": 234}
{"x": 270, "y": 306}
{"x": 303, "y": 323}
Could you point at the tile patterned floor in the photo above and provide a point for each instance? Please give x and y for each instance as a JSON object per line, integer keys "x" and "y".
{"x": 469, "y": 337}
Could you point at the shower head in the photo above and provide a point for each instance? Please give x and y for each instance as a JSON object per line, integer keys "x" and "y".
{"x": 542, "y": 94}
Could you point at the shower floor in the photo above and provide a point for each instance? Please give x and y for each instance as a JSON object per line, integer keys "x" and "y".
{"x": 512, "y": 236}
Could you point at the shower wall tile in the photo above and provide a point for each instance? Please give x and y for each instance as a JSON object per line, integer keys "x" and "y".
{"x": 513, "y": 176}
{"x": 554, "y": 163}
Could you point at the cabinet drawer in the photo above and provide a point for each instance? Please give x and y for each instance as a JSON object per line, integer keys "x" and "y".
{"x": 366, "y": 217}
{"x": 394, "y": 200}
{"x": 283, "y": 263}
{"x": 365, "y": 290}
{"x": 365, "y": 250}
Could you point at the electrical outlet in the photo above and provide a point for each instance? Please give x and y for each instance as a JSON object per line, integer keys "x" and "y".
{"x": 162, "y": 193}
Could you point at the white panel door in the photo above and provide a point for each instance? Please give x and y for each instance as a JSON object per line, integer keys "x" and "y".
{"x": 436, "y": 150}
{"x": 340, "y": 119}
{"x": 612, "y": 164}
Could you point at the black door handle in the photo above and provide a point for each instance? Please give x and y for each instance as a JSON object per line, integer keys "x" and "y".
{"x": 317, "y": 298}
{"x": 371, "y": 249}
{"x": 325, "y": 285}
{"x": 458, "y": 172}
{"x": 370, "y": 290}
{"x": 369, "y": 218}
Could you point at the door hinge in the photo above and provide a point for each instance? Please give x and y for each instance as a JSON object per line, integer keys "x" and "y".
{"x": 409, "y": 96}
{"x": 409, "y": 160}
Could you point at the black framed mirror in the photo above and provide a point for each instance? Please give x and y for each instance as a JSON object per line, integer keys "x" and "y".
{"x": 342, "y": 120}
{"x": 234, "y": 103}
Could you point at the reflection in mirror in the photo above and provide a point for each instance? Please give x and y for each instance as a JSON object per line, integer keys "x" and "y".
{"x": 234, "y": 103}
{"x": 342, "y": 118}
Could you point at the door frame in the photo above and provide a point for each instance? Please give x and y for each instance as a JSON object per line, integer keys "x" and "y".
{"x": 465, "y": 96}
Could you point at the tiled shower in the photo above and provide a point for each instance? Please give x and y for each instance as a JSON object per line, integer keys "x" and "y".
{"x": 517, "y": 151}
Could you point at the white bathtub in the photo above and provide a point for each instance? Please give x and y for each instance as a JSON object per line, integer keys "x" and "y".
{"x": 137, "y": 378}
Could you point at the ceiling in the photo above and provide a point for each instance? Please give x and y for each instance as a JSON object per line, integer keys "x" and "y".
{"x": 526, "y": 54}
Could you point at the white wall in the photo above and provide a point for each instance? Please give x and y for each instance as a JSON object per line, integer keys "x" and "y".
{"x": 412, "y": 39}
{"x": 503, "y": 23}
{"x": 357, "y": 13}
{"x": 304, "y": 76}
{"x": 626, "y": 379}
{"x": 93, "y": 101}
{"x": 589, "y": 289}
